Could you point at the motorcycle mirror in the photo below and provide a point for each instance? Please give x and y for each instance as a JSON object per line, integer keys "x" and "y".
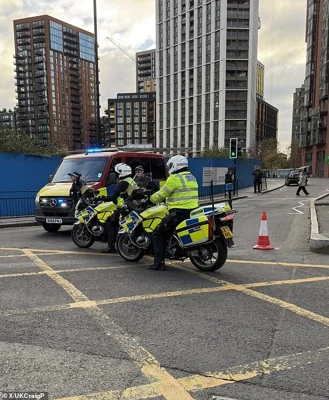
{"x": 112, "y": 178}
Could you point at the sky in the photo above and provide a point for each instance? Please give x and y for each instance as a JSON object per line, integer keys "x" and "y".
{"x": 131, "y": 23}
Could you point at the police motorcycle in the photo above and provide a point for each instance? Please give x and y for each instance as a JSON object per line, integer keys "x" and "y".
{"x": 203, "y": 238}
{"x": 92, "y": 215}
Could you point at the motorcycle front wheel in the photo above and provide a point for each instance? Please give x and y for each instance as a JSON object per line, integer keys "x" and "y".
{"x": 212, "y": 256}
{"x": 127, "y": 250}
{"x": 82, "y": 237}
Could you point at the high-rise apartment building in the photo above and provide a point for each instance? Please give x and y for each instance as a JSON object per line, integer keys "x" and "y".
{"x": 131, "y": 119}
{"x": 297, "y": 111}
{"x": 314, "y": 137}
{"x": 55, "y": 81}
{"x": 8, "y": 119}
{"x": 206, "y": 72}
{"x": 145, "y": 71}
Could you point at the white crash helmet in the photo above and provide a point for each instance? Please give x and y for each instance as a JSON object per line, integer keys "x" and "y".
{"x": 176, "y": 163}
{"x": 123, "y": 170}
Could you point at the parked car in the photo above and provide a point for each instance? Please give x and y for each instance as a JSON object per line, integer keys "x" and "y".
{"x": 293, "y": 177}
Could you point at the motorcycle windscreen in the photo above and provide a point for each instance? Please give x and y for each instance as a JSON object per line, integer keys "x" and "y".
{"x": 193, "y": 231}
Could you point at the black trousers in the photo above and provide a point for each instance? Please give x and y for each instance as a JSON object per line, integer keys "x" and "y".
{"x": 165, "y": 230}
{"x": 112, "y": 225}
{"x": 303, "y": 188}
{"x": 257, "y": 185}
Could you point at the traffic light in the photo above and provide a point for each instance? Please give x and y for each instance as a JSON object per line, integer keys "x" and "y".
{"x": 233, "y": 148}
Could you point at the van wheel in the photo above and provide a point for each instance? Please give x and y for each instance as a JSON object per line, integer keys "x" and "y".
{"x": 51, "y": 227}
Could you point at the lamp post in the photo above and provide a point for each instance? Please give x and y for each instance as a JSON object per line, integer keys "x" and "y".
{"x": 98, "y": 117}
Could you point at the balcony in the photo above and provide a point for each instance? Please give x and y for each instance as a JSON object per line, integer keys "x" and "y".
{"x": 22, "y": 27}
{"x": 75, "y": 79}
{"x": 41, "y": 101}
{"x": 39, "y": 39}
{"x": 74, "y": 66}
{"x": 40, "y": 87}
{"x": 74, "y": 72}
{"x": 75, "y": 86}
{"x": 39, "y": 73}
{"x": 39, "y": 59}
{"x": 39, "y": 32}
{"x": 23, "y": 36}
{"x": 75, "y": 105}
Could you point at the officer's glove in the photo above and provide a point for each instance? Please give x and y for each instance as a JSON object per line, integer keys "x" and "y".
{"x": 124, "y": 195}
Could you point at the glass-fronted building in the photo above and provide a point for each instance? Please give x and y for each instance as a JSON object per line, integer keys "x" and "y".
{"x": 55, "y": 82}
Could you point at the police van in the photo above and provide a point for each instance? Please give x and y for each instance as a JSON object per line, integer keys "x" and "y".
{"x": 53, "y": 205}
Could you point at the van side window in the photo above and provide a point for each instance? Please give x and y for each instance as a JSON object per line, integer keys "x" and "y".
{"x": 154, "y": 165}
{"x": 114, "y": 162}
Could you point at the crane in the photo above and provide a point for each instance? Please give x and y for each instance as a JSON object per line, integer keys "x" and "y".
{"x": 121, "y": 48}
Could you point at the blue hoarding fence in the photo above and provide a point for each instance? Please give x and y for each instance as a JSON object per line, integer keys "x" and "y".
{"x": 17, "y": 204}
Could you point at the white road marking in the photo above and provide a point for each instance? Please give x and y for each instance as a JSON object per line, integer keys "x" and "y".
{"x": 298, "y": 212}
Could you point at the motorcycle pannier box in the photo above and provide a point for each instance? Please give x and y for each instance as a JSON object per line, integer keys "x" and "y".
{"x": 193, "y": 231}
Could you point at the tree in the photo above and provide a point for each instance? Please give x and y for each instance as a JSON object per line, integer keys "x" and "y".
{"x": 215, "y": 152}
{"x": 11, "y": 142}
{"x": 295, "y": 154}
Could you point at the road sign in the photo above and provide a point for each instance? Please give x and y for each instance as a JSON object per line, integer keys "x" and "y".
{"x": 326, "y": 160}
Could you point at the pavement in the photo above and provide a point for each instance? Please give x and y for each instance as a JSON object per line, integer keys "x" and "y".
{"x": 319, "y": 213}
{"x": 272, "y": 184}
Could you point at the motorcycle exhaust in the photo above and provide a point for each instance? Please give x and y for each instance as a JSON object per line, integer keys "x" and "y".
{"x": 198, "y": 253}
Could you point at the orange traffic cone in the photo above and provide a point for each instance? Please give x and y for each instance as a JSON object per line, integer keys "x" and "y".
{"x": 263, "y": 242}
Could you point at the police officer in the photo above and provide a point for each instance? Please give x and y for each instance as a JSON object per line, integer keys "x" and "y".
{"x": 124, "y": 174}
{"x": 181, "y": 194}
{"x": 75, "y": 191}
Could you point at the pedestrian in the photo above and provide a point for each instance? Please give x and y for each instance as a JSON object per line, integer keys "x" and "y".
{"x": 75, "y": 191}
{"x": 302, "y": 184}
{"x": 181, "y": 194}
{"x": 257, "y": 179}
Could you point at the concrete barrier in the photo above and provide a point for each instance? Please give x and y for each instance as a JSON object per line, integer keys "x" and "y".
{"x": 318, "y": 243}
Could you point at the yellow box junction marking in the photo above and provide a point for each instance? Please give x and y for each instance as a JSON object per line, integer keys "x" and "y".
{"x": 196, "y": 383}
{"x": 164, "y": 383}
{"x": 169, "y": 387}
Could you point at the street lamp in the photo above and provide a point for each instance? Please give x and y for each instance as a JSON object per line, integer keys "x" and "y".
{"x": 98, "y": 117}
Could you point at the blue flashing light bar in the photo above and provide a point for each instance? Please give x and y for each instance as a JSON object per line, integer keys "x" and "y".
{"x": 95, "y": 150}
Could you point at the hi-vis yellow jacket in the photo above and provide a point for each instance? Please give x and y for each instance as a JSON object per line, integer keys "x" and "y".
{"x": 179, "y": 191}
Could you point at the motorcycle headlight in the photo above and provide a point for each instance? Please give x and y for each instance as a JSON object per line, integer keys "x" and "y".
{"x": 37, "y": 198}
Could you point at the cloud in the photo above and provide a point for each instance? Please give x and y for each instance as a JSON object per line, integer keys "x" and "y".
{"x": 282, "y": 50}
{"x": 132, "y": 24}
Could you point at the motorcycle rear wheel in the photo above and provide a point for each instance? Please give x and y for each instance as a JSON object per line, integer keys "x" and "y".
{"x": 216, "y": 258}
{"x": 127, "y": 250}
{"x": 82, "y": 237}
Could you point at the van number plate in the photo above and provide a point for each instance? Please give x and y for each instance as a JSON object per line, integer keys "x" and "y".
{"x": 54, "y": 221}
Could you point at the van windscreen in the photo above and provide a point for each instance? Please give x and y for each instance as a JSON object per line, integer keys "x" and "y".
{"x": 155, "y": 166}
{"x": 91, "y": 169}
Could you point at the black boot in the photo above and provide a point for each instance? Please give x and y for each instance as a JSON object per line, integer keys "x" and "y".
{"x": 109, "y": 250}
{"x": 157, "y": 267}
